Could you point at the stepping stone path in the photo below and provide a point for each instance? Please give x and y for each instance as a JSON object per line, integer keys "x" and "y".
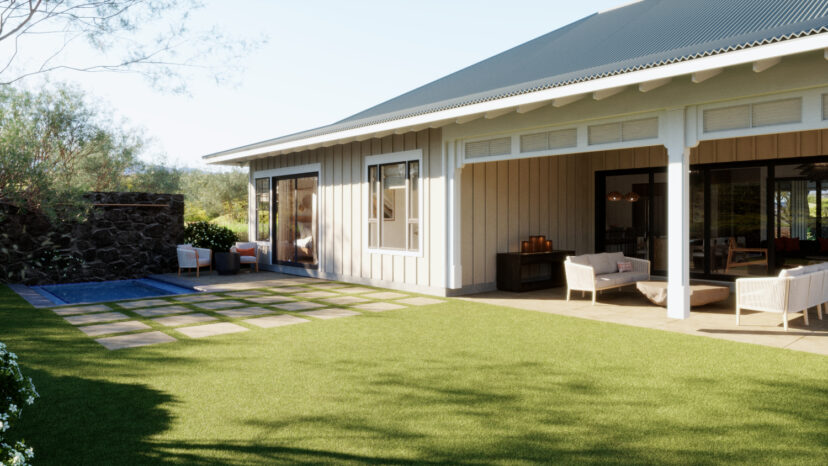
{"x": 312, "y": 281}
{"x": 345, "y": 300}
{"x": 196, "y": 298}
{"x": 354, "y": 290}
{"x": 420, "y": 301}
{"x": 386, "y": 295}
{"x": 143, "y": 303}
{"x": 209, "y": 330}
{"x": 330, "y": 286}
{"x": 185, "y": 319}
{"x": 95, "y": 318}
{"x": 379, "y": 307}
{"x": 245, "y": 294}
{"x": 115, "y": 327}
{"x": 315, "y": 294}
{"x": 289, "y": 289}
{"x": 136, "y": 339}
{"x": 162, "y": 311}
{"x": 271, "y": 299}
{"x": 298, "y": 306}
{"x": 68, "y": 311}
{"x": 220, "y": 304}
{"x": 245, "y": 312}
{"x": 331, "y": 313}
{"x": 276, "y": 321}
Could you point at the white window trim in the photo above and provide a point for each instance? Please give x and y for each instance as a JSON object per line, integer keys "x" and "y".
{"x": 381, "y": 159}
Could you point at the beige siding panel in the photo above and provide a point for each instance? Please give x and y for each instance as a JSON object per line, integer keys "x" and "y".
{"x": 523, "y": 200}
{"x": 367, "y": 259}
{"x": 543, "y": 196}
{"x": 479, "y": 233}
{"x": 725, "y": 151}
{"x": 533, "y": 201}
{"x": 338, "y": 207}
{"x": 467, "y": 222}
{"x": 562, "y": 207}
{"x": 626, "y": 159}
{"x": 513, "y": 220}
{"x": 436, "y": 222}
{"x": 787, "y": 145}
{"x": 357, "y": 209}
{"x": 766, "y": 146}
{"x": 490, "y": 221}
{"x": 583, "y": 204}
{"x": 809, "y": 143}
{"x": 502, "y": 206}
{"x": 744, "y": 149}
{"x": 330, "y": 225}
{"x": 611, "y": 161}
{"x": 347, "y": 210}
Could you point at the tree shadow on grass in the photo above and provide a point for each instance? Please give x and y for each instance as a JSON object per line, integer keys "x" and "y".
{"x": 83, "y": 421}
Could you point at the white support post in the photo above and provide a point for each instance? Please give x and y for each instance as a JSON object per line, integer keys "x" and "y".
{"x": 678, "y": 216}
{"x": 454, "y": 269}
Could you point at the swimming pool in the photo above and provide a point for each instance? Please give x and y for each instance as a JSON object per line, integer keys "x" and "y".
{"x": 96, "y": 292}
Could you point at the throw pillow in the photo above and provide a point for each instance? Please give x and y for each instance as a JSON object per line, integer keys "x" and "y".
{"x": 246, "y": 252}
{"x": 625, "y": 266}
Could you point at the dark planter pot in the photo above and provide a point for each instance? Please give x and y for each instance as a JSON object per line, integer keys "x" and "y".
{"x": 227, "y": 263}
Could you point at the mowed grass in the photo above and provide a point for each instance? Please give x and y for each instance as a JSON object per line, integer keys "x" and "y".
{"x": 449, "y": 383}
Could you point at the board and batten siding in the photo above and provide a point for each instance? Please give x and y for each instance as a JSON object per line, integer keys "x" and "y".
{"x": 506, "y": 202}
{"x": 343, "y": 209}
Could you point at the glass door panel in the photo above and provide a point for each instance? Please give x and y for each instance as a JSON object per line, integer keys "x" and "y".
{"x": 697, "y": 242}
{"x": 627, "y": 215}
{"x": 296, "y": 220}
{"x": 738, "y": 216}
{"x": 658, "y": 233}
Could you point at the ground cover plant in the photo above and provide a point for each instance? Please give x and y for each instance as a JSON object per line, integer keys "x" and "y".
{"x": 455, "y": 382}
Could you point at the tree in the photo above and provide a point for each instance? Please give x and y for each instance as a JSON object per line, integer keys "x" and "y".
{"x": 54, "y": 146}
{"x": 149, "y": 37}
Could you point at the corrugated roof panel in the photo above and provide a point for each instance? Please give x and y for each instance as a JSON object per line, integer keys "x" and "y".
{"x": 638, "y": 36}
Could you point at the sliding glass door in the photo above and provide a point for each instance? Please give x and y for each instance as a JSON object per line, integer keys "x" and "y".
{"x": 295, "y": 220}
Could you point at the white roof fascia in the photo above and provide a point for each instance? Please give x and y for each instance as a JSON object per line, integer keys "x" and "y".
{"x": 736, "y": 57}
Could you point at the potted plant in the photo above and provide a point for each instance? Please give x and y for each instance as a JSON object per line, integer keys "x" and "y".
{"x": 218, "y": 239}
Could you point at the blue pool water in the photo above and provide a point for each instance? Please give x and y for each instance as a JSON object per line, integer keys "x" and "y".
{"x": 95, "y": 292}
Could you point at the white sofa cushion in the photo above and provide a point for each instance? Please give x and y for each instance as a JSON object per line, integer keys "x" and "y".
{"x": 606, "y": 262}
{"x": 619, "y": 278}
{"x": 794, "y": 272}
{"x": 580, "y": 260}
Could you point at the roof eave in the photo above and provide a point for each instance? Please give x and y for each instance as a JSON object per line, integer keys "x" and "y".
{"x": 439, "y": 118}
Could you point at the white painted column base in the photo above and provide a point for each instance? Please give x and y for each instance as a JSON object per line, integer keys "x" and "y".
{"x": 678, "y": 300}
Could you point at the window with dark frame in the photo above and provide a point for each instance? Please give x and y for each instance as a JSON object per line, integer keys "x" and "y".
{"x": 394, "y": 206}
{"x": 263, "y": 209}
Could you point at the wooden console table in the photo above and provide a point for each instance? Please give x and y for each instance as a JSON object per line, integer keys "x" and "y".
{"x": 531, "y": 271}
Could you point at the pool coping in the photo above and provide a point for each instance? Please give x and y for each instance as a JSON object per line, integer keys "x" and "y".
{"x": 37, "y": 297}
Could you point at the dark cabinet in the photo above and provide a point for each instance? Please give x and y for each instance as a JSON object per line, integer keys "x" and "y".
{"x": 531, "y": 271}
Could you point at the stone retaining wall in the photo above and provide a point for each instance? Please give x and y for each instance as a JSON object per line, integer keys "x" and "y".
{"x": 126, "y": 235}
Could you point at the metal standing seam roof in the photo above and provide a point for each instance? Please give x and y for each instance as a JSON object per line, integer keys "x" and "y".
{"x": 638, "y": 36}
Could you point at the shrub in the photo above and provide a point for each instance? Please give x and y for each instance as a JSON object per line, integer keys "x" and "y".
{"x": 15, "y": 392}
{"x": 207, "y": 235}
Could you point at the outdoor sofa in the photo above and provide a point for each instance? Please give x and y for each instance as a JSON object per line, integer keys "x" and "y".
{"x": 597, "y": 272}
{"x": 193, "y": 258}
{"x": 253, "y": 259}
{"x": 794, "y": 290}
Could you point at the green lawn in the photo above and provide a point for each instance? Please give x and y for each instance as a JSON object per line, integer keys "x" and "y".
{"x": 454, "y": 382}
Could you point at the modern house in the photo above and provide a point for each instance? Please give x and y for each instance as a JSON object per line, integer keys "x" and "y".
{"x": 693, "y": 133}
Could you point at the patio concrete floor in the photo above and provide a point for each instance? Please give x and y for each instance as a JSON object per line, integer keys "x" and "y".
{"x": 629, "y": 307}
{"x": 626, "y": 306}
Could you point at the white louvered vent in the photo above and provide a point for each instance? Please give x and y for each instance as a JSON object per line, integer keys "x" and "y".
{"x": 825, "y": 106}
{"x": 777, "y": 113}
{"x": 489, "y": 147}
{"x": 625, "y": 131}
{"x": 549, "y": 140}
{"x": 756, "y": 115}
{"x": 603, "y": 134}
{"x": 639, "y": 129}
{"x": 722, "y": 119}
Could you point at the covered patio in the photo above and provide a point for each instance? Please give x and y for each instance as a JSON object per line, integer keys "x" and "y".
{"x": 628, "y": 307}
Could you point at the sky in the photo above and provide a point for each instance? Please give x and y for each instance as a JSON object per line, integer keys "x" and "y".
{"x": 323, "y": 61}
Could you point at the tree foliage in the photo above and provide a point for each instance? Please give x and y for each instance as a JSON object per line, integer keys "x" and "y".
{"x": 149, "y": 37}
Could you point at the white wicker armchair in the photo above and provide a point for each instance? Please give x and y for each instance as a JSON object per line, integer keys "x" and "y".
{"x": 597, "y": 272}
{"x": 193, "y": 258}
{"x": 784, "y": 294}
{"x": 252, "y": 260}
